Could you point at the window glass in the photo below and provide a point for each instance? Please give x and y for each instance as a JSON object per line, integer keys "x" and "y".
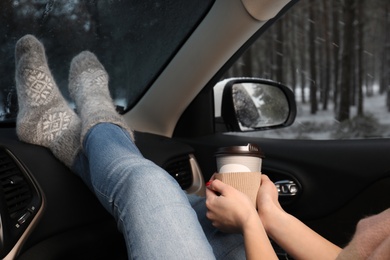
{"x": 133, "y": 40}
{"x": 335, "y": 56}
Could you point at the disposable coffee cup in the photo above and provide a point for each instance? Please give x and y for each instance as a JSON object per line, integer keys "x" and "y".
{"x": 239, "y": 159}
{"x": 240, "y": 167}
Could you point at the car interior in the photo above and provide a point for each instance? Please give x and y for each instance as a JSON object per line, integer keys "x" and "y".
{"x": 179, "y": 52}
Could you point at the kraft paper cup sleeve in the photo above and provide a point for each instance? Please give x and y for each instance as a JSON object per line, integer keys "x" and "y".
{"x": 246, "y": 182}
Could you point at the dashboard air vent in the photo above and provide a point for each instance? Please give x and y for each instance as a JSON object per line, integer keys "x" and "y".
{"x": 21, "y": 203}
{"x": 180, "y": 169}
{"x": 16, "y": 190}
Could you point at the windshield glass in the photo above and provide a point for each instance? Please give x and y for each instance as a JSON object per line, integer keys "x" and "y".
{"x": 134, "y": 40}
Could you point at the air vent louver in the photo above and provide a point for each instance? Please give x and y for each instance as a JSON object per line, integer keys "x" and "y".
{"x": 15, "y": 189}
{"x": 181, "y": 170}
{"x": 21, "y": 204}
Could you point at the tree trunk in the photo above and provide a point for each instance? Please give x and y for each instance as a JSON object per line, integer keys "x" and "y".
{"x": 385, "y": 71}
{"x": 279, "y": 52}
{"x": 346, "y": 64}
{"x": 247, "y": 66}
{"x": 336, "y": 52}
{"x": 359, "y": 57}
{"x": 325, "y": 84}
{"x": 313, "y": 62}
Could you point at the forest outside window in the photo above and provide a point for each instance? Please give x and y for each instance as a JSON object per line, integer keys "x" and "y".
{"x": 335, "y": 56}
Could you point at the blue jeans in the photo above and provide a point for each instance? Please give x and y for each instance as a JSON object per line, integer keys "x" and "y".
{"x": 158, "y": 220}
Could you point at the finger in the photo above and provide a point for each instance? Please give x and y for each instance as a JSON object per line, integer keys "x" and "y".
{"x": 210, "y": 181}
{"x": 210, "y": 193}
{"x": 211, "y": 197}
{"x": 264, "y": 178}
{"x": 265, "y": 181}
{"x": 219, "y": 187}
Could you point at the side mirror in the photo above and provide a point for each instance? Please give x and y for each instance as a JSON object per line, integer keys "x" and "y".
{"x": 254, "y": 104}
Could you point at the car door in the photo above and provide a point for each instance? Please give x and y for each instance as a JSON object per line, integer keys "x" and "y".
{"x": 340, "y": 167}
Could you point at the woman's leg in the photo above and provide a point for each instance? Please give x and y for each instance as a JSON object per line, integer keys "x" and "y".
{"x": 45, "y": 119}
{"x": 151, "y": 209}
{"x": 225, "y": 246}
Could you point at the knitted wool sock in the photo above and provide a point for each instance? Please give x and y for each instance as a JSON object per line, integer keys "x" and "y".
{"x": 88, "y": 86}
{"x": 44, "y": 118}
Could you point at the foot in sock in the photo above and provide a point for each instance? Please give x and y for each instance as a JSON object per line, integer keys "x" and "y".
{"x": 44, "y": 118}
{"x": 88, "y": 86}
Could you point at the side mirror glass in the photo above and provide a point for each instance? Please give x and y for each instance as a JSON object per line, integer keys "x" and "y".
{"x": 255, "y": 104}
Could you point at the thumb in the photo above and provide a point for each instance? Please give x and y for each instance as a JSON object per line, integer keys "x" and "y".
{"x": 264, "y": 178}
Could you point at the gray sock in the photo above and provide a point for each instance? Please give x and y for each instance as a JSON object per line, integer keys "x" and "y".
{"x": 44, "y": 118}
{"x": 88, "y": 86}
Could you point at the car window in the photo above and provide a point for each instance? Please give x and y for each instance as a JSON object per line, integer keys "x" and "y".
{"x": 133, "y": 47}
{"x": 335, "y": 56}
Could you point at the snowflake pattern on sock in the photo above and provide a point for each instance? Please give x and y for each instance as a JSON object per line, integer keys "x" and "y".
{"x": 101, "y": 79}
{"x": 96, "y": 79}
{"x": 54, "y": 124}
{"x": 40, "y": 86}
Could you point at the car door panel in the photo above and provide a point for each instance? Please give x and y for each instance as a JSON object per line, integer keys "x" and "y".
{"x": 339, "y": 181}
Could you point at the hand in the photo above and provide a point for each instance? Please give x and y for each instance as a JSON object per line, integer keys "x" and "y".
{"x": 229, "y": 210}
{"x": 267, "y": 200}
{"x": 297, "y": 239}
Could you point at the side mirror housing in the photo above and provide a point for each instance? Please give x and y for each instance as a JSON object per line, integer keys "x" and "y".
{"x": 249, "y": 104}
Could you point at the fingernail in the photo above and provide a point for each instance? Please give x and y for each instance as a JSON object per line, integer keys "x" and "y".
{"x": 208, "y": 183}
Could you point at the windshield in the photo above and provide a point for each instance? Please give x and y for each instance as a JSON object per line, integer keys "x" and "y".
{"x": 134, "y": 40}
